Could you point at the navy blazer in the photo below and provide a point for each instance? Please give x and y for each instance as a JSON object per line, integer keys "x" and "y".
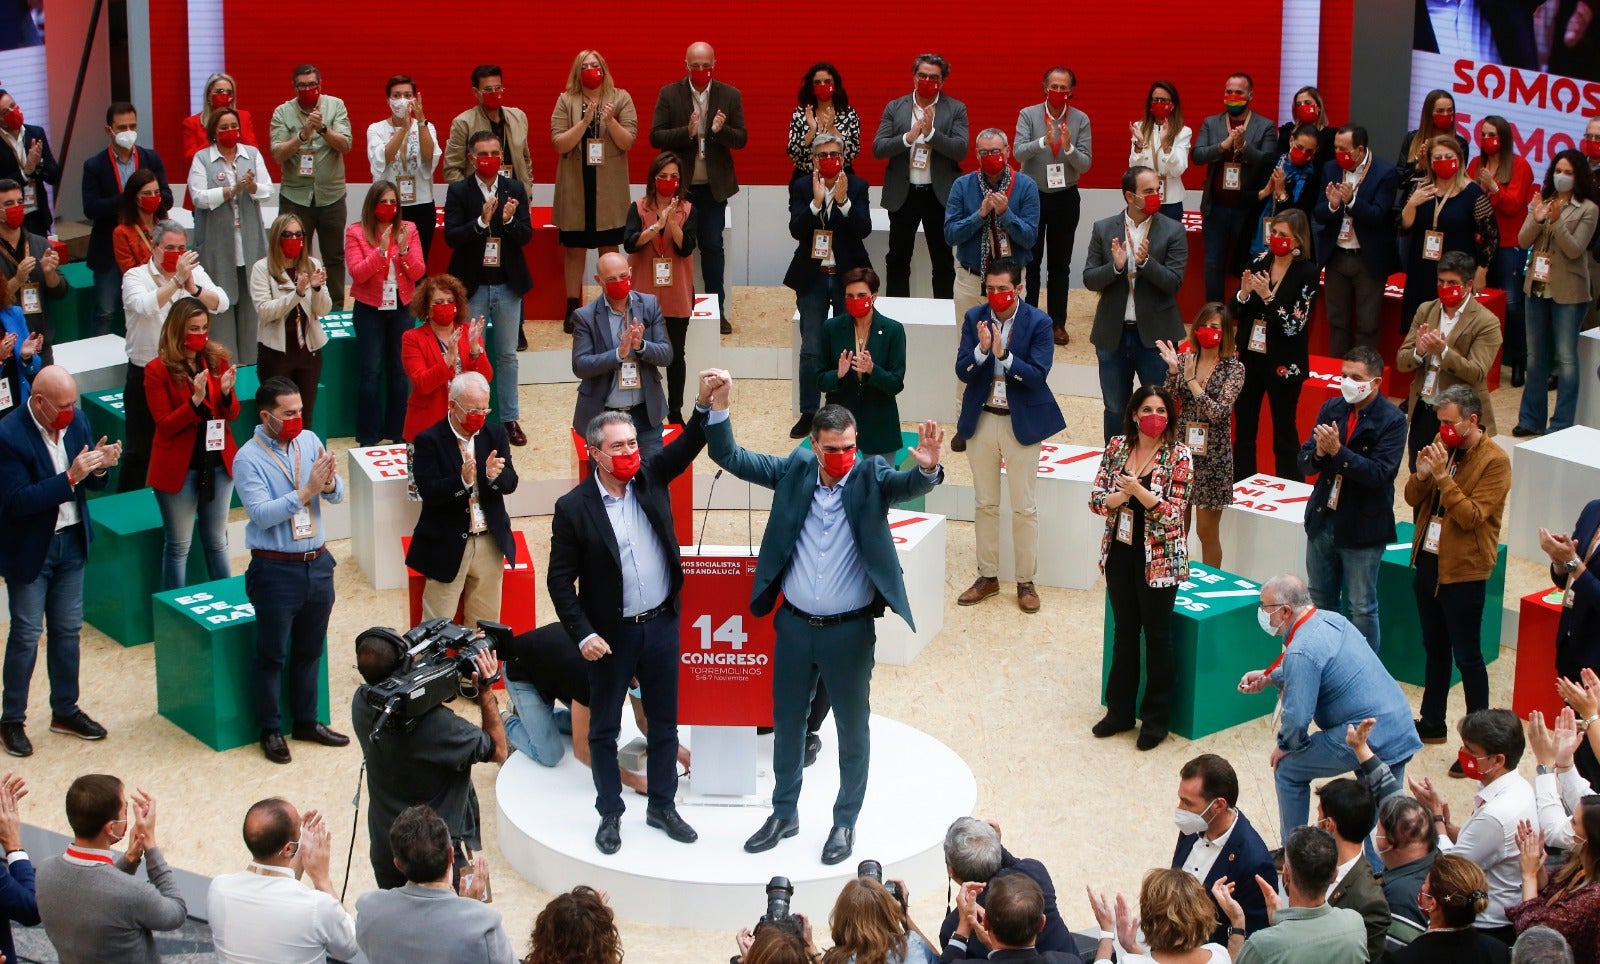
{"x": 440, "y": 538}
{"x": 849, "y": 231}
{"x": 1369, "y": 459}
{"x": 102, "y": 195}
{"x": 463, "y": 204}
{"x": 1054, "y": 938}
{"x": 16, "y": 903}
{"x": 594, "y": 358}
{"x": 1578, "y": 632}
{"x": 32, "y": 491}
{"x": 1243, "y": 857}
{"x": 1372, "y": 214}
{"x": 1035, "y": 416}
{"x": 48, "y": 172}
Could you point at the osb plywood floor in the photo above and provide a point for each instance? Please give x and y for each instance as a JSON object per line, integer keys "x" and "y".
{"x": 1014, "y": 695}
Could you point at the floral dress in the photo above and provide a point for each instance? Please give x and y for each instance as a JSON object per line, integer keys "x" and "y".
{"x": 1211, "y": 486}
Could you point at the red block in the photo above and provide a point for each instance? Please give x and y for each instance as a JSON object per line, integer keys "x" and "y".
{"x": 1535, "y": 685}
{"x": 548, "y": 297}
{"x": 725, "y": 662}
{"x": 681, "y": 489}
{"x": 518, "y": 594}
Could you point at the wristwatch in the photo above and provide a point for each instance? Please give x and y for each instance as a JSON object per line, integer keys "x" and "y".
{"x": 1237, "y": 931}
{"x": 1571, "y": 565}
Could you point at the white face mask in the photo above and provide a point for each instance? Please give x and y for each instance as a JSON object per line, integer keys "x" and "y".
{"x": 1264, "y": 618}
{"x": 399, "y": 106}
{"x": 1561, "y": 182}
{"x": 1190, "y": 822}
{"x": 126, "y": 139}
{"x": 1354, "y": 391}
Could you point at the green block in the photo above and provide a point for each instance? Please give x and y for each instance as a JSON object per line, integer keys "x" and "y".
{"x": 205, "y": 647}
{"x": 337, "y": 402}
{"x": 1215, "y": 641}
{"x": 73, "y": 316}
{"x": 1402, "y": 650}
{"x": 106, "y": 418}
{"x": 245, "y": 386}
{"x": 124, "y": 567}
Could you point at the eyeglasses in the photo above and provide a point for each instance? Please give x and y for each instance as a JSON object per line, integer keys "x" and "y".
{"x": 313, "y": 85}
{"x": 292, "y": 234}
{"x": 294, "y": 847}
{"x": 825, "y": 154}
{"x": 991, "y": 151}
{"x": 472, "y": 411}
{"x": 492, "y": 90}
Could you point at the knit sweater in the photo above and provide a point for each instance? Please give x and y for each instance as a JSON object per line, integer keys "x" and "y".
{"x": 102, "y": 912}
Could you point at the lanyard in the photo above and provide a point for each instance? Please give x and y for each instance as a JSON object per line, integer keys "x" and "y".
{"x": 661, "y": 235}
{"x": 1438, "y": 206}
{"x": 1289, "y": 639}
{"x": 294, "y": 453}
{"x": 1056, "y": 142}
{"x": 117, "y": 171}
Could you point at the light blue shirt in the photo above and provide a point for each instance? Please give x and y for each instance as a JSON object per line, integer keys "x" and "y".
{"x": 645, "y": 583}
{"x": 267, "y": 490}
{"x": 825, "y": 575}
{"x": 1331, "y": 677}
{"x": 620, "y": 397}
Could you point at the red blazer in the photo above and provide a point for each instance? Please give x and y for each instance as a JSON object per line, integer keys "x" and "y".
{"x": 430, "y": 376}
{"x": 176, "y": 424}
{"x": 195, "y": 141}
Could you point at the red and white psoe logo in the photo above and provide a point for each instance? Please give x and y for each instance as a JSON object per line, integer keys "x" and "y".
{"x": 382, "y": 462}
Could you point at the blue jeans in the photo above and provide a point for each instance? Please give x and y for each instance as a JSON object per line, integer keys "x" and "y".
{"x": 711, "y": 218}
{"x": 1325, "y": 755}
{"x": 1227, "y": 233}
{"x": 532, "y": 727}
{"x": 107, "y": 298}
{"x": 1117, "y": 369}
{"x": 501, "y": 307}
{"x": 381, "y": 398}
{"x": 292, "y": 601}
{"x": 1348, "y": 573}
{"x": 1505, "y": 273}
{"x": 50, "y": 605}
{"x": 1552, "y": 331}
{"x": 818, "y": 303}
{"x": 178, "y": 511}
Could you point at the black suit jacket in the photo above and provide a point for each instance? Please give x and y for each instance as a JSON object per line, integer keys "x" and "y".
{"x": 1578, "y": 632}
{"x": 102, "y": 195}
{"x": 463, "y": 203}
{"x": 440, "y": 538}
{"x": 849, "y": 230}
{"x": 1371, "y": 214}
{"x": 48, "y": 172}
{"x": 1242, "y": 857}
{"x": 584, "y": 578}
{"x": 669, "y": 131}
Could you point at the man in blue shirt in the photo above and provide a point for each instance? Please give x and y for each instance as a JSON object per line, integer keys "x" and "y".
{"x": 993, "y": 213}
{"x": 282, "y": 475}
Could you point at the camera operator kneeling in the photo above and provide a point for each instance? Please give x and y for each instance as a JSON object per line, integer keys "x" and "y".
{"x": 426, "y": 759}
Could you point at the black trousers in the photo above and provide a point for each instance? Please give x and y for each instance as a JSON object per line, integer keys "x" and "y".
{"x": 426, "y": 218}
{"x": 678, "y": 334}
{"x": 922, "y": 207}
{"x": 1452, "y": 623}
{"x": 1139, "y": 609}
{"x": 1424, "y": 426}
{"x": 1052, "y": 252}
{"x": 1283, "y": 396}
{"x": 293, "y": 601}
{"x": 647, "y": 652}
{"x": 1355, "y": 302}
{"x": 141, "y": 432}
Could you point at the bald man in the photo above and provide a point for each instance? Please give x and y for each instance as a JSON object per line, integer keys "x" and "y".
{"x": 619, "y": 346}
{"x": 47, "y": 461}
{"x": 702, "y": 121}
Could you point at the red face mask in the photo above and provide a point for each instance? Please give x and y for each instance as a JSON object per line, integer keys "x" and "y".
{"x": 148, "y": 203}
{"x": 1490, "y": 143}
{"x": 62, "y": 419}
{"x": 12, "y": 119}
{"x": 1151, "y": 426}
{"x": 1451, "y": 296}
{"x": 15, "y": 214}
{"x": 1347, "y": 159}
{"x": 308, "y": 98}
{"x": 1445, "y": 120}
{"x": 488, "y": 167}
{"x": 1450, "y": 435}
{"x": 1445, "y": 168}
{"x": 1591, "y": 149}
{"x": 442, "y": 315}
{"x": 928, "y": 88}
{"x": 228, "y": 138}
{"x": 1161, "y": 109}
{"x": 618, "y": 290}
{"x": 667, "y": 186}
{"x": 221, "y": 99}
{"x": 1305, "y": 112}
{"x": 824, "y": 91}
{"x": 1298, "y": 156}
{"x": 169, "y": 261}
{"x": 290, "y": 428}
{"x": 992, "y": 165}
{"x": 859, "y": 306}
{"x": 1469, "y": 765}
{"x": 838, "y": 464}
{"x": 385, "y": 211}
{"x": 1150, "y": 203}
{"x": 493, "y": 99}
{"x": 472, "y": 422}
{"x": 1057, "y": 99}
{"x": 700, "y": 77}
{"x": 625, "y": 467}
{"x": 591, "y": 77}
{"x": 1001, "y": 302}
{"x": 830, "y": 166}
{"x": 1208, "y": 337}
{"x": 196, "y": 340}
{"x": 291, "y": 247}
{"x": 1280, "y": 245}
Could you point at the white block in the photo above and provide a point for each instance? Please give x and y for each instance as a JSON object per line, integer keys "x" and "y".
{"x": 96, "y": 363}
{"x": 919, "y": 542}
{"x": 1588, "y": 383}
{"x": 1263, "y": 532}
{"x": 380, "y": 513}
{"x": 1554, "y": 476}
{"x": 932, "y": 335}
{"x": 1069, "y": 534}
{"x": 878, "y": 250}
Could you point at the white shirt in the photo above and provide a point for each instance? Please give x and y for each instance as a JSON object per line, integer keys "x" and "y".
{"x": 1489, "y": 839}
{"x": 408, "y": 160}
{"x": 490, "y": 191}
{"x": 210, "y": 195}
{"x": 1557, "y": 795}
{"x": 268, "y": 917}
{"x": 1354, "y": 178}
{"x": 828, "y": 205}
{"x": 1169, "y": 164}
{"x": 68, "y": 513}
{"x": 1135, "y": 234}
{"x": 1339, "y": 875}
{"x": 924, "y": 176}
{"x": 1460, "y": 30}
{"x": 141, "y": 303}
{"x": 1203, "y": 855}
{"x": 1219, "y": 955}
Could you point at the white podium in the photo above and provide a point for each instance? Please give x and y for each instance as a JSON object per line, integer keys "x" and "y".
{"x": 1588, "y": 381}
{"x": 1553, "y": 477}
{"x": 703, "y": 345}
{"x": 1263, "y": 532}
{"x": 931, "y": 389}
{"x": 1069, "y": 533}
{"x": 380, "y": 513}
{"x": 919, "y": 541}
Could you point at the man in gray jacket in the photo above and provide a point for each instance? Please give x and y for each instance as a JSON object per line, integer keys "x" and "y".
{"x": 426, "y": 920}
{"x": 1053, "y": 147}
{"x": 94, "y": 908}
{"x": 923, "y": 136}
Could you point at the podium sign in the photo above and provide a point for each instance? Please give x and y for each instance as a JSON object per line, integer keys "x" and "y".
{"x": 725, "y": 661}
{"x": 681, "y": 489}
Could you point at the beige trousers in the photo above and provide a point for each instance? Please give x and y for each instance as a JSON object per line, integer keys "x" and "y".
{"x": 476, "y": 586}
{"x": 968, "y": 294}
{"x": 992, "y": 442}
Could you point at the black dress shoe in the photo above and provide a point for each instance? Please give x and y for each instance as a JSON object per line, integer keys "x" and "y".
{"x": 15, "y": 739}
{"x": 1110, "y": 726}
{"x": 522, "y": 339}
{"x": 958, "y": 444}
{"x": 841, "y": 840}
{"x": 774, "y": 830}
{"x": 273, "y": 746}
{"x": 802, "y": 426}
{"x": 1150, "y": 737}
{"x": 1523, "y": 432}
{"x": 1433, "y": 733}
{"x": 813, "y": 747}
{"x": 609, "y": 837}
{"x": 566, "y": 325}
{"x": 726, "y": 328}
{"x": 317, "y": 733}
{"x": 668, "y": 820}
{"x": 78, "y": 725}
{"x": 1519, "y": 375}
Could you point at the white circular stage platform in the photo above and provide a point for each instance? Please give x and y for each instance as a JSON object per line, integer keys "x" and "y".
{"x": 917, "y": 786}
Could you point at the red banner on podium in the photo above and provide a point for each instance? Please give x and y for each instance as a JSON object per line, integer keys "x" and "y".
{"x": 725, "y": 666}
{"x": 681, "y": 489}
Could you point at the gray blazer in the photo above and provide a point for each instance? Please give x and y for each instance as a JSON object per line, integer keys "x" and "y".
{"x": 949, "y": 143}
{"x": 417, "y": 923}
{"x": 1260, "y": 154}
{"x": 1155, "y": 296}
{"x": 1035, "y": 155}
{"x": 594, "y": 358}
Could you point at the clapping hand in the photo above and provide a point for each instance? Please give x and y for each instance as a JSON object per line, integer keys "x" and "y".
{"x": 819, "y": 192}
{"x": 1136, "y": 134}
{"x": 1169, "y": 354}
{"x": 1584, "y": 699}
{"x": 199, "y": 381}
{"x": 509, "y": 210}
{"x": 474, "y": 336}
{"x": 863, "y": 363}
{"x": 12, "y": 789}
{"x": 1269, "y": 896}
{"x": 930, "y": 437}
{"x": 1119, "y": 255}
{"x": 230, "y": 375}
{"x": 475, "y": 886}
{"x": 493, "y": 465}
{"x": 1334, "y": 195}
{"x": 999, "y": 203}
{"x": 1275, "y": 180}
{"x": 469, "y": 471}
{"x": 1430, "y": 341}
{"x": 1143, "y": 254}
{"x": 302, "y": 283}
{"x": 1530, "y": 847}
{"x": 110, "y": 452}
{"x": 636, "y": 335}
{"x": 31, "y": 345}
{"x": 1327, "y": 436}
{"x": 1222, "y": 892}
{"x": 694, "y": 121}
{"x": 1422, "y": 788}
{"x": 841, "y": 189}
{"x": 1356, "y": 736}
{"x": 487, "y": 214}
{"x": 846, "y": 363}
{"x": 1100, "y": 904}
{"x": 52, "y": 261}
{"x": 7, "y": 345}
{"x": 88, "y": 462}
{"x": 1128, "y": 927}
{"x": 717, "y": 121}
{"x": 985, "y": 337}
